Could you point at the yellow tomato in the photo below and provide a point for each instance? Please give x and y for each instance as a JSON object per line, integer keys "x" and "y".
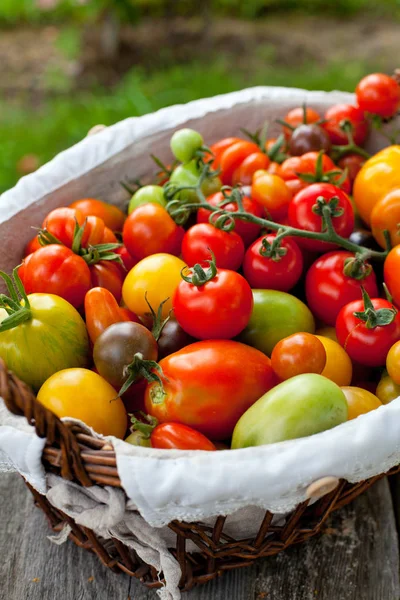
{"x": 159, "y": 275}
{"x": 328, "y": 332}
{"x": 338, "y": 366}
{"x": 379, "y": 176}
{"x": 386, "y": 215}
{"x": 84, "y": 395}
{"x": 360, "y": 401}
{"x": 387, "y": 390}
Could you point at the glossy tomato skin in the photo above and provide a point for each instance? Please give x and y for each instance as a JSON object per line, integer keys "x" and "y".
{"x": 32, "y": 246}
{"x": 232, "y": 158}
{"x": 251, "y": 164}
{"x": 366, "y": 346}
{"x": 149, "y": 229}
{"x": 266, "y": 273}
{"x": 386, "y": 215}
{"x": 271, "y": 192}
{"x": 360, "y": 401}
{"x": 328, "y": 289}
{"x": 301, "y": 214}
{"x": 339, "y": 114}
{"x": 219, "y": 309}
{"x": 219, "y": 148}
{"x": 112, "y": 216}
{"x": 209, "y": 385}
{"x": 102, "y": 310}
{"x": 128, "y": 261}
{"x": 247, "y": 231}
{"x": 61, "y": 223}
{"x": 172, "y": 338}
{"x": 296, "y": 117}
{"x": 338, "y": 367}
{"x": 199, "y": 240}
{"x": 307, "y": 164}
{"x": 299, "y": 353}
{"x": 176, "y": 436}
{"x": 55, "y": 269}
{"x": 379, "y": 94}
{"x": 107, "y": 274}
{"x": 393, "y": 363}
{"x": 391, "y": 273}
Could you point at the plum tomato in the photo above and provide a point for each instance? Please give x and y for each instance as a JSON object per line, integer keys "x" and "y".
{"x": 340, "y": 117}
{"x": 199, "y": 240}
{"x": 271, "y": 192}
{"x": 102, "y": 310}
{"x": 168, "y": 436}
{"x": 296, "y": 354}
{"x": 379, "y": 94}
{"x": 109, "y": 275}
{"x": 359, "y": 401}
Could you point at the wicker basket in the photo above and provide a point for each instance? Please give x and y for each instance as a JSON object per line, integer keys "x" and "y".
{"x": 74, "y": 455}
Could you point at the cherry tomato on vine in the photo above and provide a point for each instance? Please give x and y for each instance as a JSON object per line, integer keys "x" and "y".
{"x": 272, "y": 193}
{"x": 338, "y": 367}
{"x": 109, "y": 275}
{"x": 233, "y": 157}
{"x": 302, "y": 215}
{"x": 342, "y": 116}
{"x": 360, "y": 401}
{"x": 328, "y": 288}
{"x": 228, "y": 247}
{"x": 391, "y": 272}
{"x": 275, "y": 272}
{"x": 393, "y": 363}
{"x": 55, "y": 269}
{"x": 112, "y": 216}
{"x": 102, "y": 310}
{"x": 386, "y": 215}
{"x": 379, "y": 94}
{"x": 185, "y": 143}
{"x": 299, "y": 353}
{"x": 299, "y": 116}
{"x": 252, "y": 163}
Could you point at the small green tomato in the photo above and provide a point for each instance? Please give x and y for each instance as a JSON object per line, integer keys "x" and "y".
{"x": 145, "y": 195}
{"x": 184, "y": 144}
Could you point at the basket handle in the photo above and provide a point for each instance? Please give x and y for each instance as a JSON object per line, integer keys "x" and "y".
{"x": 21, "y": 401}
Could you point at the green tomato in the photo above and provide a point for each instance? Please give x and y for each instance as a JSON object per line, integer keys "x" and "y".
{"x": 137, "y": 438}
{"x": 145, "y": 195}
{"x": 52, "y": 339}
{"x": 188, "y": 175}
{"x": 275, "y": 315}
{"x": 299, "y": 407}
{"x": 185, "y": 143}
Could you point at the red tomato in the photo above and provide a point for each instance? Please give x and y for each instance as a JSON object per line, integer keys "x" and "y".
{"x": 296, "y": 117}
{"x": 378, "y": 94}
{"x": 61, "y": 223}
{"x": 219, "y": 148}
{"x": 95, "y": 232}
{"x": 102, "y": 310}
{"x": 228, "y": 248}
{"x": 296, "y": 354}
{"x": 272, "y": 193}
{"x": 264, "y": 272}
{"x": 301, "y": 214}
{"x": 209, "y": 385}
{"x": 233, "y": 157}
{"x": 328, "y": 289}
{"x": 353, "y": 164}
{"x": 247, "y": 231}
{"x": 127, "y": 259}
{"x": 338, "y": 115}
{"x": 109, "y": 237}
{"x": 32, "y": 246}
{"x": 391, "y": 272}
{"x": 364, "y": 341}
{"x": 112, "y": 216}
{"x": 55, "y": 269}
{"x": 252, "y": 163}
{"x": 176, "y": 436}
{"x": 307, "y": 165}
{"x": 220, "y": 308}
{"x": 107, "y": 274}
{"x": 150, "y": 230}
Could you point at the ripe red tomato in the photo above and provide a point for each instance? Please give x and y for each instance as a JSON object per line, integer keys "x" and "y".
{"x": 112, "y": 216}
{"x": 219, "y": 148}
{"x": 176, "y": 436}
{"x": 308, "y": 165}
{"x": 364, "y": 339}
{"x": 227, "y": 247}
{"x": 149, "y": 229}
{"x": 61, "y": 223}
{"x": 219, "y": 308}
{"x": 252, "y": 163}
{"x": 391, "y": 272}
{"x": 340, "y": 114}
{"x": 298, "y": 353}
{"x": 247, "y": 231}
{"x": 107, "y": 274}
{"x": 32, "y": 246}
{"x": 55, "y": 269}
{"x": 209, "y": 385}
{"x": 378, "y": 94}
{"x": 296, "y": 117}
{"x": 269, "y": 273}
{"x": 328, "y": 289}
{"x": 233, "y": 157}
{"x": 102, "y": 310}
{"x": 301, "y": 214}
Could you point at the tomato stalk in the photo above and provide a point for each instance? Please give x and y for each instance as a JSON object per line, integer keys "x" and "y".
{"x": 158, "y": 322}
{"x": 17, "y": 312}
{"x": 145, "y": 428}
{"x": 351, "y": 147}
{"x": 198, "y": 276}
{"x": 139, "y": 368}
{"x": 323, "y": 177}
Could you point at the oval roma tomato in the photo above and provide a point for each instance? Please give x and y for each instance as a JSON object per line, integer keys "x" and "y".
{"x": 55, "y": 269}
{"x": 247, "y": 231}
{"x": 149, "y": 229}
{"x": 198, "y": 380}
{"x": 216, "y": 304}
{"x": 272, "y": 193}
{"x": 109, "y": 275}
{"x": 252, "y": 163}
{"x": 273, "y": 272}
{"x": 299, "y": 116}
{"x": 302, "y": 215}
{"x": 379, "y": 94}
{"x": 328, "y": 289}
{"x": 339, "y": 116}
{"x": 158, "y": 276}
{"x": 387, "y": 390}
{"x": 112, "y": 216}
{"x": 176, "y": 436}
{"x": 232, "y": 158}
{"x": 360, "y": 401}
{"x": 102, "y": 310}
{"x": 338, "y": 367}
{"x": 199, "y": 240}
{"x": 379, "y": 176}
{"x": 82, "y": 394}
{"x": 391, "y": 273}
{"x": 386, "y": 215}
{"x": 299, "y": 353}
{"x": 360, "y": 333}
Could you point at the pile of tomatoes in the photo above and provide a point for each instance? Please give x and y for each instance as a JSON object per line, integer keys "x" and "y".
{"x": 250, "y": 295}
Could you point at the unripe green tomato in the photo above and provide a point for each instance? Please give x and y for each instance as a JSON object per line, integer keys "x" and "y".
{"x": 145, "y": 195}
{"x": 188, "y": 175}
{"x": 184, "y": 144}
{"x": 137, "y": 438}
{"x": 298, "y": 407}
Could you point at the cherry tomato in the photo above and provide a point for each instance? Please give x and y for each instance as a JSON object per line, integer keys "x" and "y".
{"x": 159, "y": 275}
{"x": 274, "y": 168}
{"x": 102, "y": 310}
{"x": 309, "y": 138}
{"x": 198, "y": 380}
{"x": 387, "y": 390}
{"x": 353, "y": 164}
{"x": 301, "y": 214}
{"x": 228, "y": 247}
{"x": 144, "y": 195}
{"x": 365, "y": 341}
{"x": 339, "y": 116}
{"x": 275, "y": 273}
{"x": 176, "y": 436}
{"x": 386, "y": 215}
{"x": 55, "y": 269}
{"x": 251, "y": 164}
{"x": 338, "y": 367}
{"x": 378, "y": 94}
{"x": 393, "y": 363}
{"x": 271, "y": 192}
{"x": 233, "y": 157}
{"x": 61, "y": 222}
{"x": 391, "y": 273}
{"x": 298, "y": 116}
{"x": 106, "y": 274}
{"x": 307, "y": 165}
{"x": 112, "y": 216}
{"x": 185, "y": 143}
{"x": 149, "y": 230}
{"x": 247, "y": 231}
{"x": 32, "y": 246}
{"x": 328, "y": 289}
{"x": 219, "y": 148}
{"x": 359, "y": 401}
{"x": 296, "y": 354}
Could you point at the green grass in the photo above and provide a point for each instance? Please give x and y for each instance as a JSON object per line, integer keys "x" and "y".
{"x": 61, "y": 122}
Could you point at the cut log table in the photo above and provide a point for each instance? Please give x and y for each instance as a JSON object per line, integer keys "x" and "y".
{"x": 356, "y": 558}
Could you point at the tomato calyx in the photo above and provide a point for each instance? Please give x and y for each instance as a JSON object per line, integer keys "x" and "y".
{"x": 327, "y": 209}
{"x": 158, "y": 322}
{"x": 357, "y": 268}
{"x": 145, "y": 427}
{"x": 335, "y": 176}
{"x": 199, "y": 276}
{"x": 17, "y": 312}
{"x": 276, "y": 153}
{"x": 375, "y": 317}
{"x": 141, "y": 368}
{"x": 351, "y": 147}
{"x": 273, "y": 250}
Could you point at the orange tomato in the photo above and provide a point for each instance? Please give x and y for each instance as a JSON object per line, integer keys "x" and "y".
{"x": 112, "y": 216}
{"x": 359, "y": 401}
{"x": 391, "y": 272}
{"x": 252, "y": 163}
{"x": 296, "y": 354}
{"x": 393, "y": 362}
{"x": 386, "y": 215}
{"x": 272, "y": 193}
{"x": 338, "y": 366}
